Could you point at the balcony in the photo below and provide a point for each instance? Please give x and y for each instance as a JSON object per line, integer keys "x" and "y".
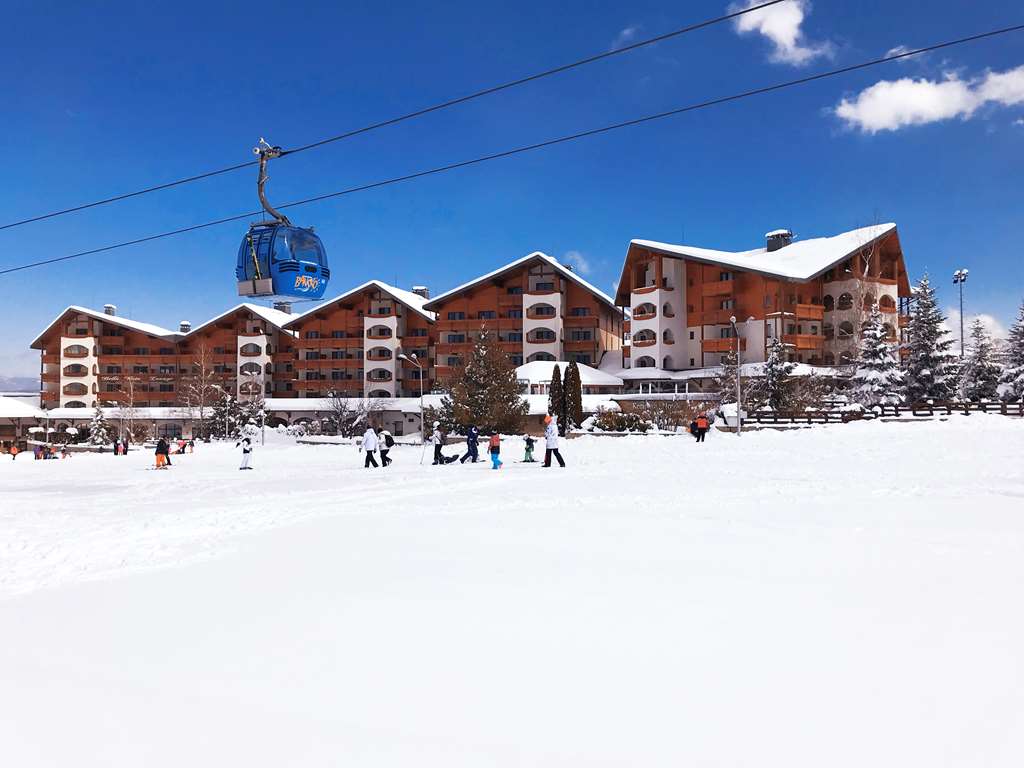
{"x": 328, "y": 363}
{"x": 48, "y": 397}
{"x": 452, "y": 349}
{"x": 580, "y": 345}
{"x": 644, "y": 342}
{"x": 535, "y": 340}
{"x": 54, "y": 377}
{"x": 83, "y": 352}
{"x": 722, "y": 345}
{"x": 534, "y": 315}
{"x": 645, "y": 289}
{"x": 810, "y": 312}
{"x": 639, "y": 316}
{"x": 719, "y": 288}
{"x": 510, "y": 300}
{"x": 720, "y": 316}
{"x": 803, "y": 341}
{"x": 51, "y": 359}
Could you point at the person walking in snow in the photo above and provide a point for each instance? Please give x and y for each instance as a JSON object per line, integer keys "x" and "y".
{"x": 494, "y": 448}
{"x": 386, "y": 442}
{"x": 437, "y": 439}
{"x": 472, "y": 452}
{"x": 370, "y": 444}
{"x": 14, "y": 452}
{"x": 702, "y": 427}
{"x": 528, "y": 457}
{"x": 551, "y": 441}
{"x": 246, "y": 445}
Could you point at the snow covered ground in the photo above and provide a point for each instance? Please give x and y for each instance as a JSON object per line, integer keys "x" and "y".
{"x": 845, "y": 596}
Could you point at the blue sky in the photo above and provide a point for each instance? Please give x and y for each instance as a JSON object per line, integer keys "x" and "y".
{"x": 108, "y": 98}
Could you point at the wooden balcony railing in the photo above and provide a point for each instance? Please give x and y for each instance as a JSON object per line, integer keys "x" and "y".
{"x": 719, "y": 288}
{"x": 809, "y": 312}
{"x": 804, "y": 340}
{"x": 722, "y": 345}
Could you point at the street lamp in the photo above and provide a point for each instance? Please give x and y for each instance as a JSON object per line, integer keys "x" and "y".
{"x": 739, "y": 368}
{"x": 959, "y": 278}
{"x": 411, "y": 358}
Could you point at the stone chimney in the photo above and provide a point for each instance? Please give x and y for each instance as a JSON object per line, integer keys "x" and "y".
{"x": 109, "y": 309}
{"x": 421, "y": 290}
{"x": 778, "y": 238}
{"x": 283, "y": 306}
{"x": 184, "y": 326}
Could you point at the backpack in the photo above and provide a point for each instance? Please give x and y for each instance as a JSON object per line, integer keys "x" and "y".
{"x": 388, "y": 440}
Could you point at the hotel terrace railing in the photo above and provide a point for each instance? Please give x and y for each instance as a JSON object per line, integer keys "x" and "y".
{"x": 720, "y": 316}
{"x": 804, "y": 340}
{"x": 718, "y": 288}
{"x": 722, "y": 345}
{"x": 809, "y": 312}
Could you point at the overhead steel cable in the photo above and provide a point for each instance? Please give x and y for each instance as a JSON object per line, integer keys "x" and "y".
{"x": 539, "y": 145}
{"x": 402, "y": 118}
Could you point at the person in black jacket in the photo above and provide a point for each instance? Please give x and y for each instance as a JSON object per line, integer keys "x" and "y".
{"x": 472, "y": 449}
{"x": 163, "y": 449}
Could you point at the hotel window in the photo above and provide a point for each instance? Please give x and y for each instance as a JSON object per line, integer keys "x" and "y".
{"x": 767, "y": 302}
{"x": 167, "y": 369}
{"x": 416, "y": 332}
{"x": 456, "y": 338}
{"x": 727, "y": 304}
{"x": 312, "y": 334}
{"x": 516, "y": 359}
{"x": 140, "y": 369}
{"x": 515, "y": 290}
{"x": 724, "y": 276}
{"x": 166, "y": 387}
{"x": 337, "y": 334}
{"x": 726, "y": 333}
{"x": 111, "y": 387}
{"x": 544, "y": 310}
{"x": 111, "y": 350}
{"x": 691, "y": 336}
{"x": 515, "y": 314}
{"x": 166, "y": 351}
{"x": 452, "y": 361}
{"x": 579, "y": 312}
{"x": 456, "y": 315}
{"x": 514, "y": 336}
{"x": 486, "y": 314}
{"x": 140, "y": 351}
{"x": 691, "y": 362}
{"x": 545, "y": 287}
{"x": 113, "y": 369}
{"x": 312, "y": 355}
{"x": 580, "y": 335}
{"x": 218, "y": 350}
{"x": 583, "y": 359}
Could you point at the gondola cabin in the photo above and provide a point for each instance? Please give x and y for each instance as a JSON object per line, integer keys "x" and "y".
{"x": 279, "y": 260}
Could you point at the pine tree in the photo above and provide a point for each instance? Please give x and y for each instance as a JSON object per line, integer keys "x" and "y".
{"x": 99, "y": 429}
{"x": 226, "y": 413}
{"x": 774, "y": 388}
{"x": 928, "y": 366}
{"x": 980, "y": 376}
{"x": 877, "y": 378}
{"x": 725, "y": 383}
{"x": 253, "y": 412}
{"x": 1011, "y": 383}
{"x": 485, "y": 391}
{"x": 556, "y": 395}
{"x": 573, "y": 389}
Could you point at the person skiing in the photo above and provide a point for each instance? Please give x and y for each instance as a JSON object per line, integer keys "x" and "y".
{"x": 494, "y": 448}
{"x": 246, "y": 445}
{"x": 472, "y": 452}
{"x": 386, "y": 442}
{"x": 551, "y": 441}
{"x": 163, "y": 456}
{"x": 370, "y": 444}
{"x": 702, "y": 427}
{"x": 528, "y": 457}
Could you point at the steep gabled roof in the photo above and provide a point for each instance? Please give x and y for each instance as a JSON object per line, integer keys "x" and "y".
{"x": 535, "y": 256}
{"x": 275, "y": 317}
{"x": 124, "y": 322}
{"x": 801, "y": 260}
{"x": 413, "y": 301}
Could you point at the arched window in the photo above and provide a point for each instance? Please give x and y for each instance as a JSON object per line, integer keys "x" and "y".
{"x": 846, "y": 330}
{"x": 668, "y": 363}
{"x": 828, "y": 330}
{"x": 74, "y": 404}
{"x": 645, "y": 362}
{"x": 540, "y": 310}
{"x": 379, "y": 374}
{"x": 645, "y": 311}
{"x": 251, "y": 369}
{"x": 644, "y": 338}
{"x": 845, "y": 302}
{"x": 541, "y": 336}
{"x": 379, "y": 393}
{"x": 886, "y": 303}
{"x": 869, "y": 300}
{"x": 379, "y": 332}
{"x": 250, "y": 350}
{"x": 829, "y": 303}
{"x": 668, "y": 337}
{"x": 547, "y": 356}
{"x": 667, "y": 311}
{"x": 76, "y": 350}
{"x": 76, "y": 369}
{"x": 75, "y": 388}
{"x": 378, "y": 353}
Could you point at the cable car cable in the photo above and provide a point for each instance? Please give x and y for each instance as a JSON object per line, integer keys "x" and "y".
{"x": 403, "y": 118}
{"x": 538, "y": 145}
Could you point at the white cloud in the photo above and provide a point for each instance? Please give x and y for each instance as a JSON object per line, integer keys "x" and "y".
{"x": 781, "y": 25}
{"x": 1019, "y": 121}
{"x": 625, "y": 36}
{"x": 889, "y": 105}
{"x": 992, "y": 325}
{"x": 579, "y": 262}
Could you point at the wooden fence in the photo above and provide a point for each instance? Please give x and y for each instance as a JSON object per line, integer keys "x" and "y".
{"x": 831, "y": 414}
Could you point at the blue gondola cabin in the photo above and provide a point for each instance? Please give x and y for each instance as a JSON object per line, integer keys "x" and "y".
{"x": 278, "y": 260}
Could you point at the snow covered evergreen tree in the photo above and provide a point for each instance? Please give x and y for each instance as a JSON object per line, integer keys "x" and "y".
{"x": 253, "y": 411}
{"x": 979, "y": 378}
{"x": 485, "y": 391}
{"x": 225, "y": 414}
{"x": 877, "y": 378}
{"x": 928, "y": 366}
{"x": 556, "y": 395}
{"x": 573, "y": 388}
{"x": 774, "y": 388}
{"x": 99, "y": 429}
{"x": 1011, "y": 383}
{"x": 725, "y": 383}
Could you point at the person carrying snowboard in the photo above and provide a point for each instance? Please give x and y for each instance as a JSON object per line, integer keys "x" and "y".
{"x": 472, "y": 452}
{"x": 385, "y": 443}
{"x": 370, "y": 444}
{"x": 551, "y": 442}
{"x": 494, "y": 448}
{"x": 528, "y": 457}
{"x": 438, "y": 440}
{"x": 246, "y": 445}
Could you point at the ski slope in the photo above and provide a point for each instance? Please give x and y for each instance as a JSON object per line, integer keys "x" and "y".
{"x": 845, "y": 596}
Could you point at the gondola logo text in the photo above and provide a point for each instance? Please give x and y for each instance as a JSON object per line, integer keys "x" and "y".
{"x": 306, "y": 283}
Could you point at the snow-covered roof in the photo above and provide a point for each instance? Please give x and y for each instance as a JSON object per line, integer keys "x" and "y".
{"x": 801, "y": 260}
{"x": 275, "y": 317}
{"x": 563, "y": 270}
{"x": 777, "y": 233}
{"x": 540, "y": 371}
{"x": 710, "y": 372}
{"x": 538, "y": 403}
{"x": 135, "y": 325}
{"x": 13, "y": 408}
{"x": 412, "y": 300}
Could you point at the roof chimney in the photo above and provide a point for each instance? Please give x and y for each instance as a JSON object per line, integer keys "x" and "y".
{"x": 778, "y": 238}
{"x": 109, "y": 309}
{"x": 421, "y": 290}
{"x": 283, "y": 306}
{"x": 184, "y": 326}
